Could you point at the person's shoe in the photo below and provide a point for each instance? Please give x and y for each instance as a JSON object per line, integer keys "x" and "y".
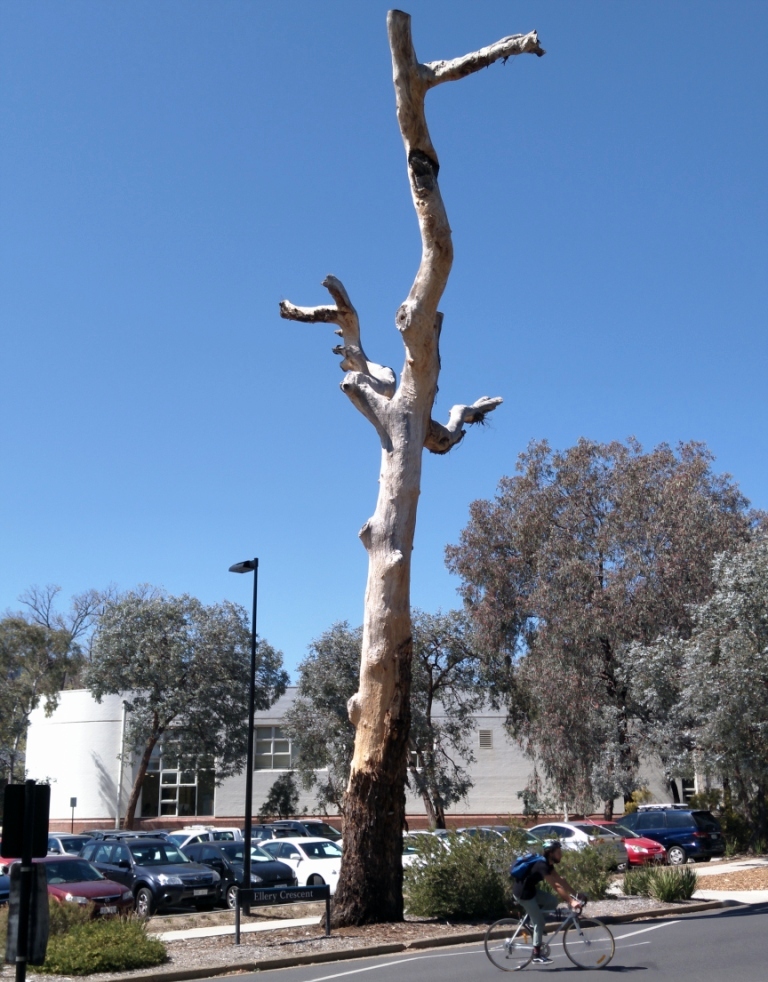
{"x": 539, "y": 959}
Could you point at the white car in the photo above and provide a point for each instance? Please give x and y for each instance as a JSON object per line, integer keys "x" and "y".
{"x": 204, "y": 833}
{"x": 577, "y": 835}
{"x": 315, "y": 861}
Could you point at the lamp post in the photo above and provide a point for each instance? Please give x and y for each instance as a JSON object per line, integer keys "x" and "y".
{"x": 250, "y": 565}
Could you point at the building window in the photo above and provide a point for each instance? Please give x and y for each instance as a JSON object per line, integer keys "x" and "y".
{"x": 689, "y": 789}
{"x": 273, "y": 749}
{"x": 486, "y": 739}
{"x": 176, "y": 787}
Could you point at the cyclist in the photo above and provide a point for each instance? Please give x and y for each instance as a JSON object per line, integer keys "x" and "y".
{"x": 536, "y": 902}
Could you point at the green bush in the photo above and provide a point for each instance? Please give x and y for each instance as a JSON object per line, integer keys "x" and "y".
{"x": 668, "y": 885}
{"x": 62, "y": 917}
{"x": 587, "y": 870}
{"x": 637, "y": 882}
{"x": 465, "y": 877}
{"x": 671, "y": 885}
{"x": 115, "y": 945}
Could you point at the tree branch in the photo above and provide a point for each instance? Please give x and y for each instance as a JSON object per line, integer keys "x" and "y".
{"x": 440, "y": 439}
{"x": 380, "y": 378}
{"x": 436, "y": 72}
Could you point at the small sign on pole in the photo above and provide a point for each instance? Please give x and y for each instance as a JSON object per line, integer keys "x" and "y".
{"x": 72, "y": 805}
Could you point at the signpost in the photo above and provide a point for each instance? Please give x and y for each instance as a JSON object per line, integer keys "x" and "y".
{"x": 72, "y": 805}
{"x": 283, "y": 895}
{"x": 25, "y": 836}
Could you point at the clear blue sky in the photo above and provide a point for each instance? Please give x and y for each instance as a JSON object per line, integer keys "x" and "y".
{"x": 170, "y": 171}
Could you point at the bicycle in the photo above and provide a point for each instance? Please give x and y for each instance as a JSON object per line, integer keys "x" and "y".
{"x": 588, "y": 943}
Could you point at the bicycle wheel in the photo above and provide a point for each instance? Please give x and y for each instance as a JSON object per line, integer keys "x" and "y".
{"x": 509, "y": 945}
{"x": 588, "y": 943}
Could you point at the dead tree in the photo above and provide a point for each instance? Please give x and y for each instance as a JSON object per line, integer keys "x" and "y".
{"x": 370, "y": 887}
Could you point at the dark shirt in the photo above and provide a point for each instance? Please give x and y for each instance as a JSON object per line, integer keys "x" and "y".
{"x": 526, "y": 889}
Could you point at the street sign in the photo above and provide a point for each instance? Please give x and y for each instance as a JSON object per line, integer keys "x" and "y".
{"x": 15, "y": 820}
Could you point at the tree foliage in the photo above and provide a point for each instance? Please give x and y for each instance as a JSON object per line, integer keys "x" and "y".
{"x": 34, "y": 664}
{"x": 282, "y": 800}
{"x": 183, "y": 669}
{"x": 582, "y": 553}
{"x": 445, "y": 693}
{"x": 709, "y": 693}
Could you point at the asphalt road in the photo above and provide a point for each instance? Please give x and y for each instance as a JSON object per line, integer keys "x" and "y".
{"x": 719, "y": 946}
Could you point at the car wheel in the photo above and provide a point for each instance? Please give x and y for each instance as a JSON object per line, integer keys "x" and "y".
{"x": 676, "y": 856}
{"x": 232, "y": 896}
{"x": 315, "y": 881}
{"x": 145, "y": 902}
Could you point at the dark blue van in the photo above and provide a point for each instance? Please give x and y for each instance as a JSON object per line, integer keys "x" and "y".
{"x": 686, "y": 833}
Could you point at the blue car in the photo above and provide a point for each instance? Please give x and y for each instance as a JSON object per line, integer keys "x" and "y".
{"x": 686, "y": 833}
{"x": 5, "y": 888}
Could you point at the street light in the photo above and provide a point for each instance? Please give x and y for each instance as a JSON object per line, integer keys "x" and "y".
{"x": 250, "y": 565}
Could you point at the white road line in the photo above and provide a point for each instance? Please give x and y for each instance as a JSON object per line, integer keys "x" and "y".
{"x": 401, "y": 961}
{"x": 645, "y": 930}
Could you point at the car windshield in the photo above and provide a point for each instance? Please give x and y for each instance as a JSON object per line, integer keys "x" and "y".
{"x": 596, "y": 830}
{"x": 74, "y": 845}
{"x": 323, "y": 829}
{"x": 156, "y": 853}
{"x": 234, "y": 853}
{"x": 71, "y": 871}
{"x": 178, "y": 838}
{"x": 706, "y": 822}
{"x": 321, "y": 850}
{"x": 625, "y": 832}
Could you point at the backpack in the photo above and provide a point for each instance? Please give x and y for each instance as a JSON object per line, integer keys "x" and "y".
{"x": 521, "y": 868}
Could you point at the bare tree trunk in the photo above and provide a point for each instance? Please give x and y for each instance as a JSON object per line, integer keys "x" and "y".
{"x": 133, "y": 800}
{"x": 370, "y": 886}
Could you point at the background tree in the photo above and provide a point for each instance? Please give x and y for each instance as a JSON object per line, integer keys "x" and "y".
{"x": 182, "y": 669}
{"x": 710, "y": 691}
{"x": 35, "y": 662}
{"x": 371, "y": 885}
{"x": 582, "y": 553}
{"x": 282, "y": 801}
{"x": 322, "y": 737}
{"x": 446, "y": 692}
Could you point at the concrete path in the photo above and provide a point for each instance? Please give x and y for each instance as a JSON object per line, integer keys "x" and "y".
{"x": 716, "y": 868}
{"x": 224, "y": 929}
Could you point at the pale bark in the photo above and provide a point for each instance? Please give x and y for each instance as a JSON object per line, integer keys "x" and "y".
{"x": 370, "y": 887}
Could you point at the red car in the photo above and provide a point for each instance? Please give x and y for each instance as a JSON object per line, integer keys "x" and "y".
{"x": 74, "y": 880}
{"x": 639, "y": 849}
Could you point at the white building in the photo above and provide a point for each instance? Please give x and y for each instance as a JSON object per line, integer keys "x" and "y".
{"x": 78, "y": 750}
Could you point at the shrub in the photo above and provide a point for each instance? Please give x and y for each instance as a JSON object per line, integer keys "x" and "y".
{"x": 637, "y": 882}
{"x": 62, "y": 917}
{"x": 668, "y": 885}
{"x": 588, "y": 870}
{"x": 116, "y": 945}
{"x": 465, "y": 877}
{"x": 671, "y": 885}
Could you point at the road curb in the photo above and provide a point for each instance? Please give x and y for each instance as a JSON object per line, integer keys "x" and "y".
{"x": 343, "y": 954}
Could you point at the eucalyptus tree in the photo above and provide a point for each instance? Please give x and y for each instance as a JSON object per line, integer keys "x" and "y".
{"x": 446, "y": 692}
{"x": 370, "y": 885}
{"x": 35, "y": 663}
{"x": 710, "y": 691}
{"x": 582, "y": 553}
{"x": 180, "y": 667}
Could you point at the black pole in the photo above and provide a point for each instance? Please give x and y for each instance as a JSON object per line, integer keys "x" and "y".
{"x": 25, "y": 882}
{"x": 249, "y": 755}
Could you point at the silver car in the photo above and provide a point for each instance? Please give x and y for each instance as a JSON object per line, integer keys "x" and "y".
{"x": 577, "y": 835}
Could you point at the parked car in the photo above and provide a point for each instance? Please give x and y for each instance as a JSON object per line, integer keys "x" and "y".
{"x": 315, "y": 861}
{"x": 155, "y": 871}
{"x": 74, "y": 880}
{"x": 312, "y": 828}
{"x": 5, "y": 889}
{"x": 686, "y": 833}
{"x": 489, "y": 832}
{"x": 260, "y": 833}
{"x": 63, "y": 844}
{"x": 640, "y": 850}
{"x": 204, "y": 833}
{"x": 577, "y": 835}
{"x": 227, "y": 859}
